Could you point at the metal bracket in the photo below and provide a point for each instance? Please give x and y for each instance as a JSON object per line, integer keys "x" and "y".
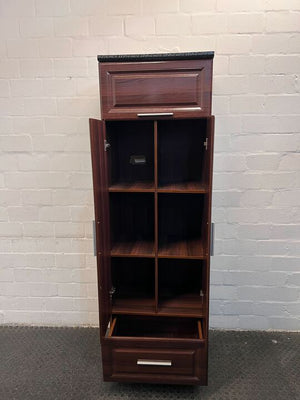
{"x": 212, "y": 239}
{"x": 201, "y": 295}
{"x": 107, "y": 329}
{"x": 205, "y": 144}
{"x": 112, "y": 292}
{"x": 137, "y": 160}
{"x": 106, "y": 145}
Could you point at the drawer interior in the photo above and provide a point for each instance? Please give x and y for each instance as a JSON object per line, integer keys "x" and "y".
{"x": 155, "y": 327}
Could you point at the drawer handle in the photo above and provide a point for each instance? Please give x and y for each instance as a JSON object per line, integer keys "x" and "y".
{"x": 164, "y": 363}
{"x": 167, "y": 114}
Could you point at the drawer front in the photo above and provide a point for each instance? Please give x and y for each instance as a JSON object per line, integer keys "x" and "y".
{"x": 147, "y": 361}
{"x": 161, "y": 89}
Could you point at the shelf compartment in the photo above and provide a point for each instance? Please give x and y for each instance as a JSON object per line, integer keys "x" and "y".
{"x": 182, "y": 155}
{"x": 133, "y": 281}
{"x": 157, "y": 327}
{"x": 182, "y": 225}
{"x": 132, "y": 224}
{"x": 181, "y": 287}
{"x": 130, "y": 155}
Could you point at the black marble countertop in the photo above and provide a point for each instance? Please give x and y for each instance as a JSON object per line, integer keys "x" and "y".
{"x": 156, "y": 57}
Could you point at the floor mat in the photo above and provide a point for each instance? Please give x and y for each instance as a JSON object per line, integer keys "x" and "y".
{"x": 65, "y": 363}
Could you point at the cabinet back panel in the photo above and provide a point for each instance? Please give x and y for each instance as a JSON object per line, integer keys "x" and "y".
{"x": 133, "y": 277}
{"x": 180, "y": 150}
{"x": 180, "y": 217}
{"x": 127, "y": 140}
{"x": 179, "y": 277}
{"x": 132, "y": 216}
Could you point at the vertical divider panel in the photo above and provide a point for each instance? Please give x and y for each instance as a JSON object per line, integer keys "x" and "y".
{"x": 156, "y": 215}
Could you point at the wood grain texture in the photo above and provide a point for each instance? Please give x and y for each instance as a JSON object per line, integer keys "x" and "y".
{"x": 191, "y": 248}
{"x": 138, "y": 248}
{"x": 134, "y": 306}
{"x": 135, "y": 347}
{"x": 183, "y": 187}
{"x": 182, "y": 87}
{"x": 99, "y": 167}
{"x": 132, "y": 187}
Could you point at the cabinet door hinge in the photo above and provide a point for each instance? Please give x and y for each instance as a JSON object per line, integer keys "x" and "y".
{"x": 212, "y": 239}
{"x": 112, "y": 292}
{"x": 205, "y": 144}
{"x": 201, "y": 295}
{"x": 94, "y": 238}
{"x": 106, "y": 145}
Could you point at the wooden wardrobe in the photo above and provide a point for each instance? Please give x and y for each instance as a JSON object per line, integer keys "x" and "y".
{"x": 152, "y": 158}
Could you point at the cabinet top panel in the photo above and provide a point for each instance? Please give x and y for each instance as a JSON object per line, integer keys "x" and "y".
{"x": 202, "y": 55}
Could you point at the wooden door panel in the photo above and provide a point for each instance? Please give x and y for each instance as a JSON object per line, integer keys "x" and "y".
{"x": 101, "y": 204}
{"x": 178, "y": 88}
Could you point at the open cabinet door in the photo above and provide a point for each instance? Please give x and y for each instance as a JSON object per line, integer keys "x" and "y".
{"x": 101, "y": 202}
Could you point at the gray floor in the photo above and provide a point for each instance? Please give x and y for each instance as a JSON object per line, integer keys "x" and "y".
{"x": 64, "y": 363}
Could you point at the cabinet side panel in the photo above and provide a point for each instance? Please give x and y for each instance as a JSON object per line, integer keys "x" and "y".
{"x": 101, "y": 203}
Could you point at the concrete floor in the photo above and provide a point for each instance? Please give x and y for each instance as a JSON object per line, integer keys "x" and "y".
{"x": 64, "y": 363}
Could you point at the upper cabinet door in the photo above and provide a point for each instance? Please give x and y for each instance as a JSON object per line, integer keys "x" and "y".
{"x": 156, "y": 89}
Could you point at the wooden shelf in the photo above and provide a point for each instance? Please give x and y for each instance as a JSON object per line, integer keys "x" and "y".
{"x": 132, "y": 306}
{"x": 183, "y": 187}
{"x": 187, "y": 304}
{"x": 132, "y": 187}
{"x": 182, "y": 249}
{"x": 133, "y": 249}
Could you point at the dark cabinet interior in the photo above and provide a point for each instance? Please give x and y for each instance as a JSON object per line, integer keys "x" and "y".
{"x": 152, "y": 158}
{"x": 133, "y": 282}
{"x": 157, "y": 327}
{"x": 180, "y": 225}
{"x": 131, "y": 157}
{"x": 181, "y": 154}
{"x": 181, "y": 286}
{"x": 132, "y": 223}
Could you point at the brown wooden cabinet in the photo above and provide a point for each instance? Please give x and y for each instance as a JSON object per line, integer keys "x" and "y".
{"x": 152, "y": 156}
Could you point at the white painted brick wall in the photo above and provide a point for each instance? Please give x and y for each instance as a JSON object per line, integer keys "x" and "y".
{"x": 49, "y": 88}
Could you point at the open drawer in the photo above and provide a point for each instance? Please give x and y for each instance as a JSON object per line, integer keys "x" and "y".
{"x": 153, "y": 327}
{"x": 153, "y": 349}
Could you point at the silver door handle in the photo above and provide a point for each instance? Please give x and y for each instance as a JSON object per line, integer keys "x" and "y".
{"x": 167, "y": 114}
{"x": 94, "y": 238}
{"x": 212, "y": 239}
{"x": 164, "y": 363}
